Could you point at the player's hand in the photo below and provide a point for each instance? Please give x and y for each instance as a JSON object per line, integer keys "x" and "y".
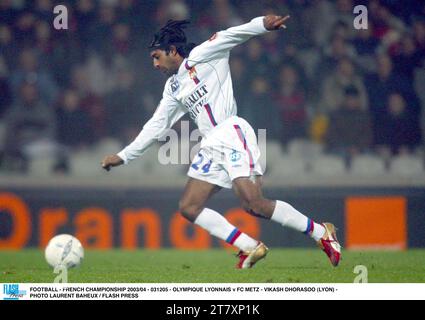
{"x": 111, "y": 161}
{"x": 272, "y": 22}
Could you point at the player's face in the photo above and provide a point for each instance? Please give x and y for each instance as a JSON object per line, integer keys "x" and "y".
{"x": 164, "y": 62}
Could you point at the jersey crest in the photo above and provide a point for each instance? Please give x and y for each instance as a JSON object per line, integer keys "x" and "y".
{"x": 175, "y": 85}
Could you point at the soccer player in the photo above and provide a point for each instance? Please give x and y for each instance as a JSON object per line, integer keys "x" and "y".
{"x": 200, "y": 83}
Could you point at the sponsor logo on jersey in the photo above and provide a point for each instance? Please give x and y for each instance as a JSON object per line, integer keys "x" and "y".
{"x": 235, "y": 156}
{"x": 193, "y": 74}
{"x": 175, "y": 85}
{"x": 195, "y": 101}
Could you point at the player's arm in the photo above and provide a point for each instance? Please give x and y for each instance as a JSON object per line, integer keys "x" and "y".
{"x": 166, "y": 115}
{"x": 222, "y": 42}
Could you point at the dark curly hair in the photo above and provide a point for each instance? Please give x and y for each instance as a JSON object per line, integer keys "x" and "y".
{"x": 172, "y": 34}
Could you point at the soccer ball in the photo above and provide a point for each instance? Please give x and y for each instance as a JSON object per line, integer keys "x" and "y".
{"x": 65, "y": 250}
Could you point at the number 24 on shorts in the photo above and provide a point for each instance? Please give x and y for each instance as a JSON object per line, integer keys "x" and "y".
{"x": 205, "y": 168}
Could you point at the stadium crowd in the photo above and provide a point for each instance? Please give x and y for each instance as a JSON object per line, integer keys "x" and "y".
{"x": 352, "y": 91}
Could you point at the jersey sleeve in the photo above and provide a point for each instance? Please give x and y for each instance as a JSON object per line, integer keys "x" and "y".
{"x": 219, "y": 45}
{"x": 168, "y": 112}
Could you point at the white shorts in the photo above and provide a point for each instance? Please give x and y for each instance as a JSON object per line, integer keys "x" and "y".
{"x": 229, "y": 151}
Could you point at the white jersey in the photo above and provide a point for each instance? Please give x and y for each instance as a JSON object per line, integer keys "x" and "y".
{"x": 202, "y": 87}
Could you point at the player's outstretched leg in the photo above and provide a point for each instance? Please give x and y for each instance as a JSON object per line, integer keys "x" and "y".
{"x": 192, "y": 208}
{"x": 283, "y": 213}
{"x": 251, "y": 251}
{"x": 324, "y": 234}
{"x": 329, "y": 244}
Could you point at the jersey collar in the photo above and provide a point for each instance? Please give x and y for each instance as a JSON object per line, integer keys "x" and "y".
{"x": 182, "y": 68}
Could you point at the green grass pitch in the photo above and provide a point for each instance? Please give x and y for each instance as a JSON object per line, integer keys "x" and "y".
{"x": 216, "y": 266}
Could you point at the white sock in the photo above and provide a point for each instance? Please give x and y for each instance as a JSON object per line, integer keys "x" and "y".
{"x": 218, "y": 226}
{"x": 286, "y": 215}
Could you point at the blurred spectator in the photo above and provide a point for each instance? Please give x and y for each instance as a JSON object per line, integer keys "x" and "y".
{"x": 124, "y": 112}
{"x": 291, "y": 55}
{"x": 44, "y": 44}
{"x": 408, "y": 57}
{"x": 6, "y": 95}
{"x": 338, "y": 49}
{"x": 85, "y": 14}
{"x": 80, "y": 80}
{"x": 8, "y": 13}
{"x": 328, "y": 19}
{"x": 350, "y": 127}
{"x": 224, "y": 14}
{"x": 292, "y": 105}
{"x": 320, "y": 15}
{"x": 171, "y": 9}
{"x": 364, "y": 42}
{"x": 29, "y": 123}
{"x": 44, "y": 10}
{"x": 419, "y": 35}
{"x": 335, "y": 85}
{"x": 239, "y": 78}
{"x": 382, "y": 83}
{"x": 366, "y": 47}
{"x": 342, "y": 30}
{"x": 29, "y": 70}
{"x": 272, "y": 47}
{"x": 91, "y": 102}
{"x": 102, "y": 29}
{"x": 296, "y": 35}
{"x": 256, "y": 58}
{"x": 344, "y": 12}
{"x": 74, "y": 127}
{"x": 24, "y": 35}
{"x": 7, "y": 49}
{"x": 216, "y": 15}
{"x": 398, "y": 129}
{"x": 98, "y": 73}
{"x": 127, "y": 12}
{"x": 120, "y": 50}
{"x": 386, "y": 26}
{"x": 259, "y": 108}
